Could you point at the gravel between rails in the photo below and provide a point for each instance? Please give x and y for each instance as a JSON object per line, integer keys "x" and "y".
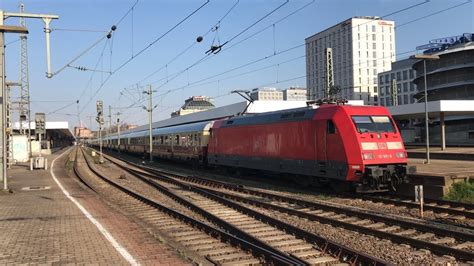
{"x": 304, "y": 193}
{"x": 177, "y": 234}
{"x": 400, "y": 254}
{"x": 384, "y": 249}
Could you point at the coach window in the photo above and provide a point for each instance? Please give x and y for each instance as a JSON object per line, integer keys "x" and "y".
{"x": 161, "y": 140}
{"x": 330, "y": 127}
{"x": 177, "y": 140}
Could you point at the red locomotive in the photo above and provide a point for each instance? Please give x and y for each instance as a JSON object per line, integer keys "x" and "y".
{"x": 340, "y": 144}
{"x": 357, "y": 144}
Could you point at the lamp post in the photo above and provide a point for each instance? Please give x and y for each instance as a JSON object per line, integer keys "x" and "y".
{"x": 425, "y": 57}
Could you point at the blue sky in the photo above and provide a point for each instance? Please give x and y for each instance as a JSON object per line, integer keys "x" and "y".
{"x": 150, "y": 19}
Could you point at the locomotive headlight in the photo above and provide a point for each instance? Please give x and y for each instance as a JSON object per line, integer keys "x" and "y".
{"x": 400, "y": 155}
{"x": 368, "y": 156}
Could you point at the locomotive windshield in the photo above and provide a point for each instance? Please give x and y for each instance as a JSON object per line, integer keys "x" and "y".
{"x": 373, "y": 124}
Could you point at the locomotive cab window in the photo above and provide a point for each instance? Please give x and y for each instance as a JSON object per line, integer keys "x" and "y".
{"x": 366, "y": 124}
{"x": 331, "y": 128}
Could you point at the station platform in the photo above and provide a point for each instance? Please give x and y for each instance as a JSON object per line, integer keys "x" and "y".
{"x": 50, "y": 218}
{"x": 450, "y": 153}
{"x": 438, "y": 176}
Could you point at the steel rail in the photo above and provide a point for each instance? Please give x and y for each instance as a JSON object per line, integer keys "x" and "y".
{"x": 436, "y": 248}
{"x": 257, "y": 250}
{"x": 332, "y": 248}
{"x": 460, "y": 234}
{"x": 411, "y": 204}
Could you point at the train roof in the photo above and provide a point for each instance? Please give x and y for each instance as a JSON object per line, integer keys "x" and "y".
{"x": 291, "y": 115}
{"x": 194, "y": 127}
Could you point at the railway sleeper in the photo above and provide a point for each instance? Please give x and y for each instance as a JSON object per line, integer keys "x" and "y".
{"x": 217, "y": 252}
{"x": 376, "y": 225}
{"x": 390, "y": 229}
{"x": 276, "y": 238}
{"x": 362, "y": 222}
{"x": 288, "y": 242}
{"x": 444, "y": 240}
{"x": 262, "y": 230}
{"x": 205, "y": 241}
{"x": 322, "y": 260}
{"x": 407, "y": 232}
{"x": 265, "y": 234}
{"x": 243, "y": 262}
{"x": 191, "y": 238}
{"x": 424, "y": 236}
{"x": 307, "y": 253}
{"x": 242, "y": 223}
{"x": 229, "y": 257}
{"x": 184, "y": 233}
{"x": 465, "y": 245}
{"x": 299, "y": 248}
{"x": 218, "y": 246}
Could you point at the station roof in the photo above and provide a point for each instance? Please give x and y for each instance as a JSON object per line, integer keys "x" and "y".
{"x": 62, "y": 127}
{"x": 448, "y": 107}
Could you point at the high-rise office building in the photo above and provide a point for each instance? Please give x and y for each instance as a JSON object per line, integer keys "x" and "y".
{"x": 361, "y": 48}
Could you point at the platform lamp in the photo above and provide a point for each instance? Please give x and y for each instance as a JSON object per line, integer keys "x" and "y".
{"x": 425, "y": 57}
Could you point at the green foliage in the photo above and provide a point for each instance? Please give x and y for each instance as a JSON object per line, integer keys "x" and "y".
{"x": 462, "y": 192}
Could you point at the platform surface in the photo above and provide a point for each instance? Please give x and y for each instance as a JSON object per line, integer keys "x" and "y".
{"x": 40, "y": 225}
{"x": 457, "y": 150}
{"x": 443, "y": 167}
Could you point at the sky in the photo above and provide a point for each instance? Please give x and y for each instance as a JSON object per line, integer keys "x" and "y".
{"x": 155, "y": 44}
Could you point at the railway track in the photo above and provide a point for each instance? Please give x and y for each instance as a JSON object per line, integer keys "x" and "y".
{"x": 203, "y": 243}
{"x": 299, "y": 244}
{"x": 438, "y": 238}
{"x": 437, "y": 206}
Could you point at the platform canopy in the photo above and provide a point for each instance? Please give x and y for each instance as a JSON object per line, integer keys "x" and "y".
{"x": 448, "y": 107}
{"x": 454, "y": 109}
{"x": 60, "y": 127}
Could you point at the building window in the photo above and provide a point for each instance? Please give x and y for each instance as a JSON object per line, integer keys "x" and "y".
{"x": 412, "y": 74}
{"x": 405, "y": 75}
{"x": 405, "y": 99}
{"x": 374, "y": 37}
{"x": 382, "y": 101}
{"x": 373, "y": 28}
{"x": 374, "y": 45}
{"x": 392, "y": 76}
{"x": 405, "y": 87}
{"x": 412, "y": 86}
{"x": 399, "y": 76}
{"x": 375, "y": 89}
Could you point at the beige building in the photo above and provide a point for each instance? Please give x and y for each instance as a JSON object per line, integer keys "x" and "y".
{"x": 295, "y": 94}
{"x": 194, "y": 104}
{"x": 362, "y": 47}
{"x": 266, "y": 94}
